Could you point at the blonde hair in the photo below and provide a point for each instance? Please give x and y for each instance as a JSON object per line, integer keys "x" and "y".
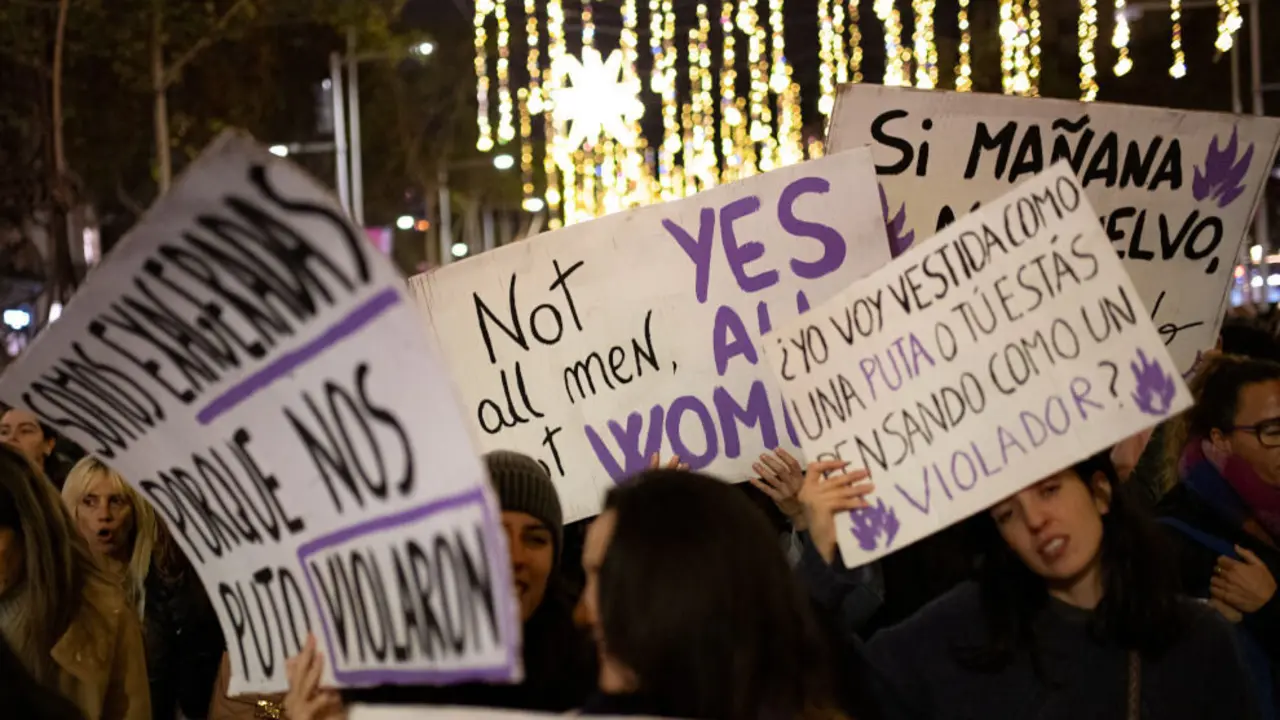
{"x": 57, "y": 565}
{"x": 78, "y": 481}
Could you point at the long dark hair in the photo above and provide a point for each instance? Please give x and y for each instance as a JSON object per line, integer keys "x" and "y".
{"x": 1139, "y": 610}
{"x": 22, "y": 696}
{"x": 696, "y": 598}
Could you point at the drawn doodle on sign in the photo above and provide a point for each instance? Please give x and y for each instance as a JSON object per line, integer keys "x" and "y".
{"x": 899, "y": 241}
{"x": 872, "y": 522}
{"x": 1222, "y": 178}
{"x": 1155, "y": 388}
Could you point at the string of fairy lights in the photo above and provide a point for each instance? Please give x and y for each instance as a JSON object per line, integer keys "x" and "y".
{"x": 730, "y": 106}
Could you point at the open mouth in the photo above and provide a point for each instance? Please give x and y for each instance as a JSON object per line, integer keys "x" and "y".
{"x": 1053, "y": 548}
{"x": 105, "y": 536}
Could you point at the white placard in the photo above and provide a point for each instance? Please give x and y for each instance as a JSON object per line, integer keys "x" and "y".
{"x": 251, "y": 364}
{"x": 1005, "y": 348}
{"x": 1175, "y": 190}
{"x": 593, "y": 347}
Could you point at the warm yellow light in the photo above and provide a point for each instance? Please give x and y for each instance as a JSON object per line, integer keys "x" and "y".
{"x": 826, "y": 57}
{"x": 1087, "y": 32}
{"x": 484, "y": 142}
{"x": 964, "y": 71}
{"x": 897, "y": 58}
{"x": 1179, "y": 67}
{"x": 1228, "y": 23}
{"x": 506, "y": 130}
{"x": 1120, "y": 40}
{"x": 926, "y": 49}
{"x": 855, "y": 42}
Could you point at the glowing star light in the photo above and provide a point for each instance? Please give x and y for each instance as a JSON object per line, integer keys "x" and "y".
{"x": 599, "y": 99}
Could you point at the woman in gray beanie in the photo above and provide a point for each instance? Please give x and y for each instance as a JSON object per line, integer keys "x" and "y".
{"x": 559, "y": 659}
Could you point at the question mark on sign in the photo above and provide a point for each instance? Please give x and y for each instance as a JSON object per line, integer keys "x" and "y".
{"x": 1115, "y": 373}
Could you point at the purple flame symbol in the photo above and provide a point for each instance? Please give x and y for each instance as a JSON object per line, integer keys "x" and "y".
{"x": 898, "y": 241}
{"x": 1155, "y": 388}
{"x": 1222, "y": 177}
{"x": 871, "y": 522}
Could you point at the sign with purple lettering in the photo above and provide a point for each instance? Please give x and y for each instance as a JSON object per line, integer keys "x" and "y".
{"x": 594, "y": 347}
{"x": 1175, "y": 191}
{"x": 250, "y": 362}
{"x": 1001, "y": 350}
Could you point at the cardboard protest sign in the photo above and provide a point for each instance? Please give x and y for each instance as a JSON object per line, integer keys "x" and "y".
{"x": 596, "y": 346}
{"x": 250, "y": 363}
{"x": 1003, "y": 349}
{"x": 1175, "y": 191}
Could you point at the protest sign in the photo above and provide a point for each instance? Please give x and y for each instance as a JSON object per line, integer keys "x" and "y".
{"x": 250, "y": 363}
{"x": 1003, "y": 349}
{"x": 596, "y": 346}
{"x": 1175, "y": 191}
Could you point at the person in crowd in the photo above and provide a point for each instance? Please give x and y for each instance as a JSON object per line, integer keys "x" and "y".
{"x": 559, "y": 665}
{"x": 23, "y": 430}
{"x": 183, "y": 641}
{"x": 22, "y": 697}
{"x": 1224, "y": 514}
{"x": 69, "y": 624}
{"x": 694, "y": 610}
{"x": 1074, "y": 614}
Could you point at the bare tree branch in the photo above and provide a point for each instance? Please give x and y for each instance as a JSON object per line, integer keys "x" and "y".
{"x": 175, "y": 69}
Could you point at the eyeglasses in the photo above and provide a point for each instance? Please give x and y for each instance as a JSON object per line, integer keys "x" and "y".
{"x": 1267, "y": 432}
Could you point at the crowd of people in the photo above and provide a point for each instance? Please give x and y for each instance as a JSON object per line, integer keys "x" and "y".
{"x": 1138, "y": 583}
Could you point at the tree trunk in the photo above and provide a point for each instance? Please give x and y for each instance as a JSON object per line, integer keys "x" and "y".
{"x": 160, "y": 100}
{"x": 60, "y": 217}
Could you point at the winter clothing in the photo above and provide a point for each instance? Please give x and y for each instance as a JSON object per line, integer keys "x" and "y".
{"x": 559, "y": 667}
{"x": 1207, "y": 503}
{"x": 184, "y": 645}
{"x": 524, "y": 486}
{"x": 1201, "y": 677}
{"x": 102, "y": 659}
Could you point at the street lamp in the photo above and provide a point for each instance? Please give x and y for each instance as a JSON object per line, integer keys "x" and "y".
{"x": 504, "y": 161}
{"x": 423, "y": 49}
{"x": 405, "y": 222}
{"x": 460, "y": 249}
{"x": 533, "y": 205}
{"x": 280, "y": 150}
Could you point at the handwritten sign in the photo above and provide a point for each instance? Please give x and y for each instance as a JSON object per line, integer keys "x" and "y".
{"x": 248, "y": 360}
{"x": 595, "y": 346}
{"x": 1003, "y": 349}
{"x": 1175, "y": 191}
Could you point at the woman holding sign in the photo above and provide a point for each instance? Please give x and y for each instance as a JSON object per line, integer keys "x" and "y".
{"x": 70, "y": 625}
{"x": 1074, "y": 615}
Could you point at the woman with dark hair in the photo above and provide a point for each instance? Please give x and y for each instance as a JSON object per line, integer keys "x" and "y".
{"x": 1073, "y": 615}
{"x": 1224, "y": 512}
{"x": 24, "y": 431}
{"x": 694, "y": 609}
{"x": 68, "y": 623}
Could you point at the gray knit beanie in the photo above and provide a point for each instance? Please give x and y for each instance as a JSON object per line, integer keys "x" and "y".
{"x": 523, "y": 486}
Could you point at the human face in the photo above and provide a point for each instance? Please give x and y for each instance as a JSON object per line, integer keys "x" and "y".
{"x": 533, "y": 554}
{"x": 1257, "y": 407}
{"x": 12, "y": 559}
{"x": 1055, "y": 528}
{"x": 22, "y": 430}
{"x": 105, "y": 518}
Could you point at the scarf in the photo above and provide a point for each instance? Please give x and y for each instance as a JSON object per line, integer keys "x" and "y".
{"x": 1230, "y": 486}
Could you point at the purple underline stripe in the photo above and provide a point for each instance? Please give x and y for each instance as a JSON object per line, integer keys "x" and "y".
{"x": 287, "y": 363}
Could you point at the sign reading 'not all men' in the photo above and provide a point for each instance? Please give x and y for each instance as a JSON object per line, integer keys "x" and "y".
{"x": 250, "y": 363}
{"x": 1005, "y": 348}
{"x": 1175, "y": 191}
{"x": 596, "y": 346}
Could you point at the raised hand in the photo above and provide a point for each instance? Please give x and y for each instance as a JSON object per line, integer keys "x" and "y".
{"x": 306, "y": 700}
{"x": 822, "y": 497}
{"x": 780, "y": 476}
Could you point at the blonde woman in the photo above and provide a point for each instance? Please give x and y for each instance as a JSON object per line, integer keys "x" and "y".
{"x": 122, "y": 529}
{"x": 68, "y": 624}
{"x": 117, "y": 523}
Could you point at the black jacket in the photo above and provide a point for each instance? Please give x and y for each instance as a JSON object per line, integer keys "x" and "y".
{"x": 1196, "y": 562}
{"x": 559, "y": 671}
